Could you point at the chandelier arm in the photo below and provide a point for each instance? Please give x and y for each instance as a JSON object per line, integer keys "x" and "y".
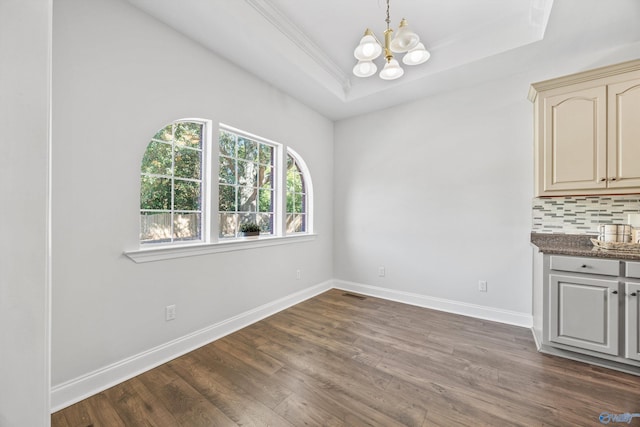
{"x": 372, "y": 34}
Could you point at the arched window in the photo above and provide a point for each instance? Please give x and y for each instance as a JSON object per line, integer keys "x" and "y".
{"x": 298, "y": 185}
{"x": 171, "y": 183}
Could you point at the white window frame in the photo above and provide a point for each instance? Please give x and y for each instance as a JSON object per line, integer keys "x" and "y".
{"x": 210, "y": 242}
{"x": 205, "y": 179}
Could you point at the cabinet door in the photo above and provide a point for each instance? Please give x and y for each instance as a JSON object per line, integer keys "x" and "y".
{"x": 584, "y": 313}
{"x": 575, "y": 145}
{"x": 632, "y": 350}
{"x": 624, "y": 134}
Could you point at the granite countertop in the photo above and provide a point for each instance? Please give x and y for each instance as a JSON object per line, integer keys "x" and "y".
{"x": 576, "y": 245}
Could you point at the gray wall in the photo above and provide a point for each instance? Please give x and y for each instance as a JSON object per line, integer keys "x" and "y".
{"x": 25, "y": 38}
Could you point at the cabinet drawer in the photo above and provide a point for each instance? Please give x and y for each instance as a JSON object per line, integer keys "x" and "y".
{"x": 607, "y": 267}
{"x": 633, "y": 269}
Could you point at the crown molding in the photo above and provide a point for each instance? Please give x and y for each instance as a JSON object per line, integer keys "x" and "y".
{"x": 582, "y": 77}
{"x": 290, "y": 30}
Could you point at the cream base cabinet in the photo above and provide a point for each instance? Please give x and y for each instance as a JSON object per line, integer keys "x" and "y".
{"x": 584, "y": 313}
{"x": 587, "y": 132}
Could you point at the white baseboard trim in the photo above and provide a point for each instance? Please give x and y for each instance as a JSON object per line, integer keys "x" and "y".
{"x": 77, "y": 389}
{"x": 457, "y": 307}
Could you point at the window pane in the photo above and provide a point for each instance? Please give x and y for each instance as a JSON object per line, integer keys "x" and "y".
{"x": 247, "y": 173}
{"x": 266, "y": 154}
{"x": 165, "y": 134}
{"x": 227, "y": 144}
{"x": 246, "y": 218}
{"x": 265, "y": 176}
{"x": 155, "y": 193}
{"x": 188, "y": 134}
{"x": 247, "y": 199}
{"x": 227, "y": 171}
{"x": 294, "y": 223}
{"x": 290, "y": 162}
{"x": 247, "y": 149}
{"x": 227, "y": 198}
{"x": 228, "y": 225}
{"x": 157, "y": 159}
{"x": 265, "y": 221}
{"x": 186, "y": 226}
{"x": 298, "y": 203}
{"x": 155, "y": 226}
{"x": 186, "y": 196}
{"x": 187, "y": 163}
{"x": 265, "y": 200}
{"x": 296, "y": 182}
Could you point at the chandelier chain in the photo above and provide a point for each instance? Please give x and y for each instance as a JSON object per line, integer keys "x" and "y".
{"x": 388, "y": 20}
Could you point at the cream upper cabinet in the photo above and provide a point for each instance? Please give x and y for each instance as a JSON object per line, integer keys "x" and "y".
{"x": 624, "y": 134}
{"x": 587, "y": 132}
{"x": 575, "y": 140}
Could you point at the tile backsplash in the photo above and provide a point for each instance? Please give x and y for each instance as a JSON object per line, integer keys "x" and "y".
{"x": 581, "y": 214}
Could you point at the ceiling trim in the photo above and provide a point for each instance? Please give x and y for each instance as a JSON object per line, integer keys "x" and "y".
{"x": 283, "y": 24}
{"x": 584, "y": 76}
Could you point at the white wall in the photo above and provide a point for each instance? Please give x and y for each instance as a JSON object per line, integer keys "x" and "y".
{"x": 25, "y": 38}
{"x": 438, "y": 192}
{"x": 119, "y": 76}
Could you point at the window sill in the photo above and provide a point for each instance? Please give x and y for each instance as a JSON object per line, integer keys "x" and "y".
{"x": 182, "y": 251}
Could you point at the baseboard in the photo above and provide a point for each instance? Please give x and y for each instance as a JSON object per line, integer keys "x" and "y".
{"x": 80, "y": 388}
{"x": 457, "y": 307}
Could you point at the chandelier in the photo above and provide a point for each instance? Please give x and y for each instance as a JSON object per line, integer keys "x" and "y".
{"x": 370, "y": 48}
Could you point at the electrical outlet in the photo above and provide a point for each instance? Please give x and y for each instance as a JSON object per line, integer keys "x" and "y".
{"x": 381, "y": 271}
{"x": 298, "y": 274}
{"x": 482, "y": 286}
{"x": 170, "y": 312}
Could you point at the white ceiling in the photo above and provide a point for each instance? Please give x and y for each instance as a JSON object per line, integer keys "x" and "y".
{"x": 306, "y": 47}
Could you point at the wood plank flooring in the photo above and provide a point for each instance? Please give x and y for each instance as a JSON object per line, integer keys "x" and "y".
{"x": 336, "y": 360}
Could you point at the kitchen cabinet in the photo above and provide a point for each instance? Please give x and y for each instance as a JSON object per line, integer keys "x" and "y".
{"x": 624, "y": 134}
{"x": 584, "y": 313}
{"x": 632, "y": 310}
{"x": 587, "y": 140}
{"x": 590, "y": 310}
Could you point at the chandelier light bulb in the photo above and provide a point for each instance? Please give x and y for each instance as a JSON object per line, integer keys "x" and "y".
{"x": 365, "y": 69}
{"x": 416, "y": 56}
{"x": 391, "y": 70}
{"x": 405, "y": 39}
{"x": 368, "y": 49}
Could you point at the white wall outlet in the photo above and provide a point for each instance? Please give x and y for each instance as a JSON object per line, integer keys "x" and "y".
{"x": 381, "y": 271}
{"x": 298, "y": 274}
{"x": 170, "y": 312}
{"x": 482, "y": 286}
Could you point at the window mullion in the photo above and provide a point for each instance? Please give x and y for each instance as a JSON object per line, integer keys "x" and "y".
{"x": 280, "y": 190}
{"x": 173, "y": 181}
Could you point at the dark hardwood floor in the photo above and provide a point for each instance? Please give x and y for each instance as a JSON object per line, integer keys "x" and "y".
{"x": 336, "y": 360}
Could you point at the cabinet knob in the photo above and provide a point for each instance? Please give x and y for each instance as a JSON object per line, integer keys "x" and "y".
{"x": 603, "y": 179}
{"x": 614, "y": 292}
{"x": 633, "y": 294}
{"x": 613, "y": 179}
{"x": 583, "y": 266}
